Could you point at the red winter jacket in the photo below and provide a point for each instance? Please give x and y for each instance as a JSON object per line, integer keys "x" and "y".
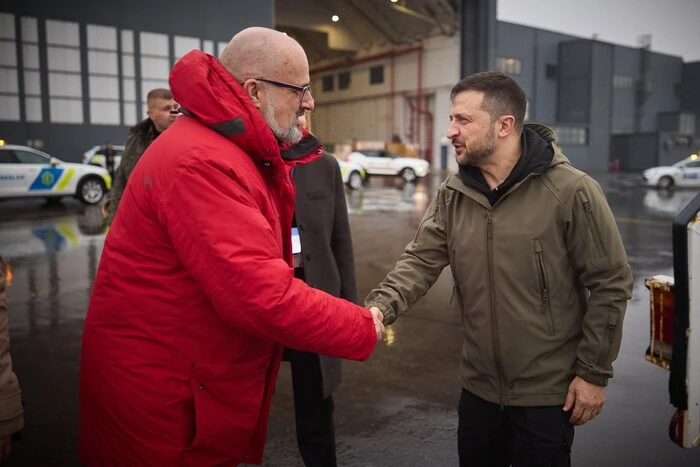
{"x": 194, "y": 297}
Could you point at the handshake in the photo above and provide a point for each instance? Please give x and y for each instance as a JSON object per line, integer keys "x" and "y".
{"x": 378, "y": 321}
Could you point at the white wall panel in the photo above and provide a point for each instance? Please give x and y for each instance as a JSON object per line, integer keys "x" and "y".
{"x": 32, "y": 108}
{"x": 65, "y": 85}
{"x": 129, "y": 113}
{"x": 9, "y": 108}
{"x": 8, "y": 53}
{"x": 106, "y": 113}
{"x": 29, "y": 30}
{"x": 32, "y": 83}
{"x": 66, "y": 111}
{"x": 30, "y": 56}
{"x": 8, "y": 80}
{"x": 155, "y": 68}
{"x": 63, "y": 59}
{"x": 129, "y": 89}
{"x": 62, "y": 33}
{"x": 7, "y": 26}
{"x": 154, "y": 44}
{"x": 101, "y": 37}
{"x": 128, "y": 63}
{"x": 127, "y": 41}
{"x": 102, "y": 62}
{"x": 104, "y": 87}
{"x": 208, "y": 47}
{"x": 183, "y": 45}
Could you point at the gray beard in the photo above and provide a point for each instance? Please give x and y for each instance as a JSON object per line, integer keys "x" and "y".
{"x": 292, "y": 134}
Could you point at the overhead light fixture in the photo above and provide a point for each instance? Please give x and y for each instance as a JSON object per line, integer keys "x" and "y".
{"x": 394, "y": 1}
{"x": 335, "y": 18}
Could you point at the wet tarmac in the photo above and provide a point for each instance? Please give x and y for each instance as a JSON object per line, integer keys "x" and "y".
{"x": 396, "y": 409}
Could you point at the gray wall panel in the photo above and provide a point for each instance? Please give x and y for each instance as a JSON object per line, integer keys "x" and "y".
{"x": 215, "y": 20}
{"x": 601, "y": 105}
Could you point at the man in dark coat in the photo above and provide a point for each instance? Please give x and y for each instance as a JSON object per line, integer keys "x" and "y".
{"x": 325, "y": 262}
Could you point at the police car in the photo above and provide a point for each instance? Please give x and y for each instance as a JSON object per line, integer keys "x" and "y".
{"x": 95, "y": 156}
{"x": 683, "y": 173}
{"x": 27, "y": 172}
{"x": 383, "y": 162}
{"x": 353, "y": 174}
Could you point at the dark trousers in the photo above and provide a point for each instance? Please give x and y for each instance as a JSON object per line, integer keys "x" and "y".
{"x": 491, "y": 436}
{"x": 313, "y": 413}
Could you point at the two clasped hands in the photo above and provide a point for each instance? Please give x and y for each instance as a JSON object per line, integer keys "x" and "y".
{"x": 378, "y": 321}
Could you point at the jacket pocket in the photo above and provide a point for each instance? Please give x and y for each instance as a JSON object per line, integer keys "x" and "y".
{"x": 607, "y": 342}
{"x": 227, "y": 406}
{"x": 544, "y": 287}
{"x": 320, "y": 194}
{"x": 591, "y": 234}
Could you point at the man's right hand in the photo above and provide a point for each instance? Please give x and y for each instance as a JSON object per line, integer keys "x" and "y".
{"x": 378, "y": 318}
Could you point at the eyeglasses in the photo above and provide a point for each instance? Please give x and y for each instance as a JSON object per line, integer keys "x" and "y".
{"x": 304, "y": 90}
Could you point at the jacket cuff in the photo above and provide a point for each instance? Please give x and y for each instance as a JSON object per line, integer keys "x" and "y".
{"x": 591, "y": 376}
{"x": 11, "y": 415}
{"x": 387, "y": 311}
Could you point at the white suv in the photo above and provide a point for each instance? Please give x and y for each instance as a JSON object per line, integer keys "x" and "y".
{"x": 383, "y": 162}
{"x": 27, "y": 172}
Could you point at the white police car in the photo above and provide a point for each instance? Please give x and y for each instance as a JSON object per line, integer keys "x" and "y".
{"x": 27, "y": 172}
{"x": 95, "y": 156}
{"x": 683, "y": 173}
{"x": 353, "y": 174}
{"x": 383, "y": 162}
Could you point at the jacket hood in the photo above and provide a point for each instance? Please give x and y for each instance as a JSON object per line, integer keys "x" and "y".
{"x": 210, "y": 94}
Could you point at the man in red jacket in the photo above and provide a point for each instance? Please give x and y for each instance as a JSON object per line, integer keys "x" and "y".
{"x": 195, "y": 296}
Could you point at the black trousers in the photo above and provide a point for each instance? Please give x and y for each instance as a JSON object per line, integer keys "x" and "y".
{"x": 313, "y": 413}
{"x": 491, "y": 436}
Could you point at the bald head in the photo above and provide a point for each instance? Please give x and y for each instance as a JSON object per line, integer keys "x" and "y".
{"x": 256, "y": 52}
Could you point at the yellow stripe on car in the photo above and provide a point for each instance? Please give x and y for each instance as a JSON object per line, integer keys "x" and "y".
{"x": 108, "y": 181}
{"x": 65, "y": 180}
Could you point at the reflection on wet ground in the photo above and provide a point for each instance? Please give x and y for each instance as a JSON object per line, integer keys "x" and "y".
{"x": 396, "y": 409}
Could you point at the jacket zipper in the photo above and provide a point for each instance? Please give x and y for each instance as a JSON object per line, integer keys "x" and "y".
{"x": 546, "y": 306}
{"x": 591, "y": 224}
{"x": 494, "y": 319}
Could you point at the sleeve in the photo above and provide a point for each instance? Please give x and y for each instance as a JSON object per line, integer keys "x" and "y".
{"x": 11, "y": 410}
{"x": 418, "y": 267}
{"x": 234, "y": 254}
{"x": 121, "y": 175}
{"x": 341, "y": 241}
{"x": 600, "y": 261}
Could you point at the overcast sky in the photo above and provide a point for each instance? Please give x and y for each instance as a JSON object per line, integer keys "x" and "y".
{"x": 673, "y": 24}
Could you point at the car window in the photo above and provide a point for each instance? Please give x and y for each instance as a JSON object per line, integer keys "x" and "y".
{"x": 7, "y": 157}
{"x": 371, "y": 153}
{"x": 26, "y": 157}
{"x": 692, "y": 165}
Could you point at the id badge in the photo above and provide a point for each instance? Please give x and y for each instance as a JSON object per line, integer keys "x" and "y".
{"x": 296, "y": 241}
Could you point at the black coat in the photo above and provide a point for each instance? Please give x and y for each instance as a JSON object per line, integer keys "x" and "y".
{"x": 326, "y": 244}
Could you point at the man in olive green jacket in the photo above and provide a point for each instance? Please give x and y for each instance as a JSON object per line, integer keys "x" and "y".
{"x": 162, "y": 112}
{"x": 541, "y": 280}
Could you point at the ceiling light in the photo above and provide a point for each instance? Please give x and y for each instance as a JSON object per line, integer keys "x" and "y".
{"x": 335, "y": 18}
{"x": 394, "y": 1}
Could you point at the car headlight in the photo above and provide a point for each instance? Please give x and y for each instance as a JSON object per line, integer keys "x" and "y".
{"x": 420, "y": 169}
{"x": 650, "y": 173}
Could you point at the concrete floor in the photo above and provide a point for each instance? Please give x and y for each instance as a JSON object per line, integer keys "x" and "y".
{"x": 396, "y": 409}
